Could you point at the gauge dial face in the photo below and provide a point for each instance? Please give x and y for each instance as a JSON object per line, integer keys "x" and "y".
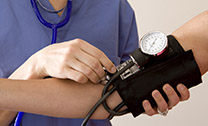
{"x": 153, "y": 43}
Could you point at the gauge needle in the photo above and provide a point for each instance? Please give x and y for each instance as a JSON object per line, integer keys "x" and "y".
{"x": 152, "y": 44}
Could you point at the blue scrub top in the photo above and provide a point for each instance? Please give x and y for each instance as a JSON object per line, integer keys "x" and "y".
{"x": 107, "y": 24}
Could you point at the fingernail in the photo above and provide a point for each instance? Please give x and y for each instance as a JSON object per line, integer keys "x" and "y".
{"x": 167, "y": 88}
{"x": 181, "y": 87}
{"x": 146, "y": 104}
{"x": 157, "y": 95}
{"x": 113, "y": 69}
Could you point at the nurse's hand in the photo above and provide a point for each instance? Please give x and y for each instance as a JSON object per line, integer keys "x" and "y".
{"x": 162, "y": 105}
{"x": 76, "y": 60}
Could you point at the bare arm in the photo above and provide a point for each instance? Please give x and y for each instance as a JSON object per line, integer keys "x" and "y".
{"x": 75, "y": 60}
{"x": 64, "y": 98}
{"x": 194, "y": 35}
{"x": 53, "y": 97}
{"x": 6, "y": 116}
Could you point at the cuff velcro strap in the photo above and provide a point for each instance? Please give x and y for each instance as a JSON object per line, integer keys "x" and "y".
{"x": 181, "y": 68}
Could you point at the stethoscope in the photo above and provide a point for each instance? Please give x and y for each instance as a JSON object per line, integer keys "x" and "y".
{"x": 54, "y": 28}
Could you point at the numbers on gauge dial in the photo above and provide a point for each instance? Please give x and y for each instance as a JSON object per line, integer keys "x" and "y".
{"x": 153, "y": 43}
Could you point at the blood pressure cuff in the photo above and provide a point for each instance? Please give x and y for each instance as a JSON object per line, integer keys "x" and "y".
{"x": 181, "y": 68}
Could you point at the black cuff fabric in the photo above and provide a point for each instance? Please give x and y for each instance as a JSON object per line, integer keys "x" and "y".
{"x": 181, "y": 68}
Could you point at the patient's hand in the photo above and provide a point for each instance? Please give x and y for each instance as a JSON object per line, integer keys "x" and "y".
{"x": 192, "y": 35}
{"x": 162, "y": 105}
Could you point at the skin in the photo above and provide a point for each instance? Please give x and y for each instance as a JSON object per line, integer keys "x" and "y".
{"x": 75, "y": 60}
{"x": 58, "y": 4}
{"x": 63, "y": 62}
{"x": 32, "y": 100}
{"x": 192, "y": 35}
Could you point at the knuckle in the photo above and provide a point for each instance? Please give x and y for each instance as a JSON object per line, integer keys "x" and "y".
{"x": 62, "y": 63}
{"x": 89, "y": 72}
{"x": 63, "y": 60}
{"x": 101, "y": 73}
{"x": 163, "y": 108}
{"x": 174, "y": 102}
{"x": 177, "y": 100}
{"x": 99, "y": 54}
{"x": 186, "y": 97}
{"x": 81, "y": 78}
{"x": 171, "y": 92}
{"x": 77, "y": 41}
{"x": 160, "y": 99}
{"x": 162, "y": 105}
{"x": 70, "y": 49}
{"x": 150, "y": 112}
{"x": 185, "y": 94}
{"x": 148, "y": 109}
{"x": 170, "y": 107}
{"x": 61, "y": 69}
{"x": 95, "y": 64}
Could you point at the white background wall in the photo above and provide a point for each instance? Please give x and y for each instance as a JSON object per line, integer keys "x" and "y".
{"x": 166, "y": 16}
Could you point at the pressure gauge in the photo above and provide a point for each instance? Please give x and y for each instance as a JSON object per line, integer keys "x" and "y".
{"x": 154, "y": 43}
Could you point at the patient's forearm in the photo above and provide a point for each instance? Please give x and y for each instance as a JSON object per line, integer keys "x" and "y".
{"x": 194, "y": 35}
{"x": 53, "y": 97}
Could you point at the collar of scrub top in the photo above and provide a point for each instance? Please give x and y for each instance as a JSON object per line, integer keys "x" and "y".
{"x": 54, "y": 27}
{"x": 48, "y": 10}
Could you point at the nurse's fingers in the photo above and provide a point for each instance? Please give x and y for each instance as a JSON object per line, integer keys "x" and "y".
{"x": 98, "y": 54}
{"x": 184, "y": 92}
{"x": 161, "y": 103}
{"x": 148, "y": 108}
{"x": 83, "y": 68}
{"x": 77, "y": 76}
{"x": 92, "y": 62}
{"x": 172, "y": 95}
